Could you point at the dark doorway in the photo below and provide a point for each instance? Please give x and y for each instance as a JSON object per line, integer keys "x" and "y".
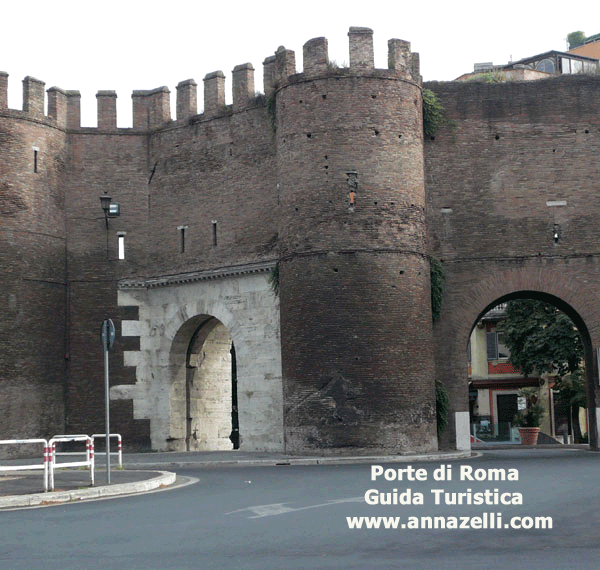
{"x": 235, "y": 423}
{"x": 507, "y": 408}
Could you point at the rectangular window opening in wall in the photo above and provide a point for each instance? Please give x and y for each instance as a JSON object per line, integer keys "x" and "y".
{"x": 35, "y": 158}
{"x": 121, "y": 245}
{"x": 503, "y": 350}
{"x": 214, "y": 232}
{"x": 496, "y": 348}
{"x": 182, "y": 231}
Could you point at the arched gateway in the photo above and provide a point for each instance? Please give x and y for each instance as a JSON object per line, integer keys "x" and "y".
{"x": 209, "y": 362}
{"x": 467, "y": 300}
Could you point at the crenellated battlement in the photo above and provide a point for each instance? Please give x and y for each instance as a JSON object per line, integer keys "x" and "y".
{"x": 152, "y": 108}
{"x": 329, "y": 180}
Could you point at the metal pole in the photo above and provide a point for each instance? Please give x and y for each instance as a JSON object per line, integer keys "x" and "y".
{"x": 107, "y": 400}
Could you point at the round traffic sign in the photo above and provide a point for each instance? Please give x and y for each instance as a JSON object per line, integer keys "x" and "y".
{"x": 108, "y": 334}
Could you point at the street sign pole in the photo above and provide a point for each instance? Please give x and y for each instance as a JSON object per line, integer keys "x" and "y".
{"x": 108, "y": 338}
{"x": 107, "y": 405}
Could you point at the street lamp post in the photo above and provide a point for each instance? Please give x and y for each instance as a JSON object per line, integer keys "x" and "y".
{"x": 108, "y": 338}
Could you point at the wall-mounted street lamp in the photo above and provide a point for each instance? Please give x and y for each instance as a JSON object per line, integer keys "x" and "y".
{"x": 556, "y": 233}
{"x": 110, "y": 210}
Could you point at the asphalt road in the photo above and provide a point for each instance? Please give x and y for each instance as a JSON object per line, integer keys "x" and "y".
{"x": 296, "y": 517}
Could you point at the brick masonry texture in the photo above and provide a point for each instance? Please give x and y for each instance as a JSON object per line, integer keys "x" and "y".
{"x": 327, "y": 175}
{"x": 352, "y": 243}
{"x": 515, "y": 162}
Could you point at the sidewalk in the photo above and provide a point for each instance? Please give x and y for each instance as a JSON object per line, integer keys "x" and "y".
{"x": 144, "y": 472}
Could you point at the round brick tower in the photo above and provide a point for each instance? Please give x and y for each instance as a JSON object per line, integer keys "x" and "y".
{"x": 357, "y": 347}
{"x": 32, "y": 258}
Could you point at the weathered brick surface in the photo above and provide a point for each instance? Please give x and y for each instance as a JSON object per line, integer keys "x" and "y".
{"x": 357, "y": 374}
{"x": 354, "y": 277}
{"x": 213, "y": 172}
{"x": 335, "y": 182}
{"x": 517, "y": 161}
{"x": 32, "y": 276}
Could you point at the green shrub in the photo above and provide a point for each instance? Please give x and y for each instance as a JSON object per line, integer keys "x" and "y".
{"x": 274, "y": 280}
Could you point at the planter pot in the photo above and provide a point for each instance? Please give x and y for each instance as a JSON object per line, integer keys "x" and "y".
{"x": 529, "y": 435}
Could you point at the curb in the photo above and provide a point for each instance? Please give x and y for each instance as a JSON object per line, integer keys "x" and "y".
{"x": 56, "y": 497}
{"x": 284, "y": 461}
{"x": 167, "y": 478}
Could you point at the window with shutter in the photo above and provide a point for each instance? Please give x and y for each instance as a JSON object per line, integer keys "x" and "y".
{"x": 491, "y": 341}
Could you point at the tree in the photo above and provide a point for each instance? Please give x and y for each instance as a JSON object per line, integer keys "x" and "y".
{"x": 576, "y": 39}
{"x": 543, "y": 339}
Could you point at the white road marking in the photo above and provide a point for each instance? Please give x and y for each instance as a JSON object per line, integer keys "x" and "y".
{"x": 259, "y": 511}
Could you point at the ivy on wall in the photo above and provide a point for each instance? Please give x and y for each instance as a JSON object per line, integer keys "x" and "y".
{"x": 438, "y": 279}
{"x": 433, "y": 113}
{"x": 274, "y": 280}
{"x": 442, "y": 406}
{"x": 442, "y": 399}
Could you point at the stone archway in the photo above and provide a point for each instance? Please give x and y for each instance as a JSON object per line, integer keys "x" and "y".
{"x": 175, "y": 320}
{"x": 210, "y": 403}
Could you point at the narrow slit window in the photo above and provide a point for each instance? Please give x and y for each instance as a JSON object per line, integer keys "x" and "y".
{"x": 182, "y": 232}
{"x": 35, "y": 159}
{"x": 214, "y": 232}
{"x": 121, "y": 246}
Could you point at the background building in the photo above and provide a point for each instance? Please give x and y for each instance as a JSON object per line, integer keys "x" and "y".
{"x": 495, "y": 384}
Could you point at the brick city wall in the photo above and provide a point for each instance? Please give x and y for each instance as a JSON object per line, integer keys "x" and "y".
{"x": 326, "y": 173}
{"x": 33, "y": 269}
{"x": 516, "y": 163}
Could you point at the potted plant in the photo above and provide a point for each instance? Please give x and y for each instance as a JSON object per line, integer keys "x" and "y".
{"x": 529, "y": 420}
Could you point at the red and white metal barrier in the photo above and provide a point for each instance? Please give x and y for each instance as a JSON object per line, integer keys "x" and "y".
{"x": 119, "y": 451}
{"x": 89, "y": 456}
{"x": 43, "y": 466}
{"x": 61, "y": 453}
{"x": 49, "y": 462}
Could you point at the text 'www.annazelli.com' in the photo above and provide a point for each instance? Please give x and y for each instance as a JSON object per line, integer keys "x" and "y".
{"x": 485, "y": 521}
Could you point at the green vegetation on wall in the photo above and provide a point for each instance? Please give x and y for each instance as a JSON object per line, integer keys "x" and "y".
{"x": 438, "y": 279}
{"x": 274, "y": 280}
{"x": 433, "y": 113}
{"x": 442, "y": 406}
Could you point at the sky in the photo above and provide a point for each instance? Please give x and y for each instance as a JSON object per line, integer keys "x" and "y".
{"x": 129, "y": 44}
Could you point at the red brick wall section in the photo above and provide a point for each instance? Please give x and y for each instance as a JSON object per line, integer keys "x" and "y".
{"x": 32, "y": 276}
{"x": 515, "y": 161}
{"x": 354, "y": 276}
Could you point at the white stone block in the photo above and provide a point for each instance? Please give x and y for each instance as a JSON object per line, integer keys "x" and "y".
{"x": 130, "y": 328}
{"x": 463, "y": 435}
{"x": 131, "y": 357}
